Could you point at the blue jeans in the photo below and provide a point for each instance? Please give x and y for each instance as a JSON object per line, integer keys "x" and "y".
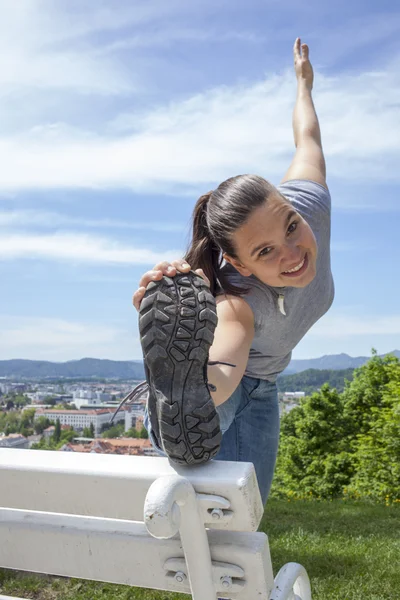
{"x": 249, "y": 422}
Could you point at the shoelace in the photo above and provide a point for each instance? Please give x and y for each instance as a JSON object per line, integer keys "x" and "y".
{"x": 144, "y": 386}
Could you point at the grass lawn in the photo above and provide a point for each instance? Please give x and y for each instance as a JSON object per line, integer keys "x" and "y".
{"x": 351, "y": 551}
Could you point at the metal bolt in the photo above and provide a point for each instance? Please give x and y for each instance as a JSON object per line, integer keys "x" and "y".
{"x": 180, "y": 576}
{"x": 217, "y": 514}
{"x": 226, "y": 581}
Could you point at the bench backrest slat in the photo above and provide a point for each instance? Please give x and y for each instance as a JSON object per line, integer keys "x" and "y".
{"x": 105, "y": 485}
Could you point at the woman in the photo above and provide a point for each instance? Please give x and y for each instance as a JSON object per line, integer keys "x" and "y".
{"x": 260, "y": 259}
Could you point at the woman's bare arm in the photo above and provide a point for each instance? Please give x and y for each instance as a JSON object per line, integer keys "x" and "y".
{"x": 309, "y": 161}
{"x": 232, "y": 340}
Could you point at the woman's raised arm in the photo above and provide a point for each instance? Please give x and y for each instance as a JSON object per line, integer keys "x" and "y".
{"x": 309, "y": 161}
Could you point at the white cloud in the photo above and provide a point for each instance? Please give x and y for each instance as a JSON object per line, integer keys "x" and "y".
{"x": 71, "y": 48}
{"x": 79, "y": 248}
{"x": 69, "y": 45}
{"x": 59, "y": 339}
{"x": 37, "y": 218}
{"x": 29, "y": 55}
{"x": 166, "y": 37}
{"x": 213, "y": 135}
{"x": 343, "y": 326}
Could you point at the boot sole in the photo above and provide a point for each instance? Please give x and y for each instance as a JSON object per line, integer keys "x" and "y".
{"x": 177, "y": 320}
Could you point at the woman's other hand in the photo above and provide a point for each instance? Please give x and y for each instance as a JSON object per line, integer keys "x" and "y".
{"x": 158, "y": 271}
{"x": 302, "y": 65}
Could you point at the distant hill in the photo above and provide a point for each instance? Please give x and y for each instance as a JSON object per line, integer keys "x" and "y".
{"x": 84, "y": 368}
{"x": 311, "y": 380}
{"x": 115, "y": 369}
{"x": 330, "y": 361}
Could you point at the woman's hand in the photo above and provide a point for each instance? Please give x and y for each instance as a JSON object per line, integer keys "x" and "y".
{"x": 302, "y": 65}
{"x": 161, "y": 269}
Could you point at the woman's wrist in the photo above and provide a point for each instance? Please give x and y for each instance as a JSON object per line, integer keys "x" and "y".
{"x": 303, "y": 86}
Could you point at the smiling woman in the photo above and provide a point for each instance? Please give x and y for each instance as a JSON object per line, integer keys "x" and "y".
{"x": 261, "y": 256}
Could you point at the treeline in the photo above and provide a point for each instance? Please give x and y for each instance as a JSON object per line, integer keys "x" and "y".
{"x": 312, "y": 380}
{"x": 345, "y": 444}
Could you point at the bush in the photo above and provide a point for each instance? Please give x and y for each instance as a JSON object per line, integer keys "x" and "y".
{"x": 335, "y": 445}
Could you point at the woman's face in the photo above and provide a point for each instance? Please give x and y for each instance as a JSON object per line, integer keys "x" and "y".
{"x": 276, "y": 245}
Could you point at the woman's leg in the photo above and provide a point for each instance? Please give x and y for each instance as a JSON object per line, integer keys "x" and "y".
{"x": 253, "y": 435}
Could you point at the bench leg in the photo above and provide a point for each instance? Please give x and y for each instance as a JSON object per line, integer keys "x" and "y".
{"x": 291, "y": 583}
{"x": 171, "y": 507}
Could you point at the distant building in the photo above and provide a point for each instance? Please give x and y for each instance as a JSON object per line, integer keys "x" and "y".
{"x": 134, "y": 415}
{"x": 36, "y": 406}
{"x": 294, "y": 394}
{"x": 33, "y": 439}
{"x": 38, "y": 397}
{"x": 79, "y": 419}
{"x": 12, "y": 388}
{"x": 89, "y": 398}
{"x": 14, "y": 440}
{"x": 129, "y": 446}
{"x": 48, "y": 432}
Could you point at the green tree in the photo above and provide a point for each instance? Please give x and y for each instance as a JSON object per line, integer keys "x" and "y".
{"x": 27, "y": 418}
{"x": 313, "y": 455}
{"x": 345, "y": 443}
{"x": 377, "y": 445}
{"x": 132, "y": 432}
{"x": 21, "y": 400}
{"x": 41, "y": 424}
{"x": 92, "y": 432}
{"x": 114, "y": 432}
{"x": 143, "y": 433}
{"x": 365, "y": 393}
{"x": 57, "y": 432}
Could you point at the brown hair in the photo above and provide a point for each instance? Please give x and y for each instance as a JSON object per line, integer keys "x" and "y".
{"x": 216, "y": 216}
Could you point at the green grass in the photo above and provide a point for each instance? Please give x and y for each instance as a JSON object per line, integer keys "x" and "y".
{"x": 351, "y": 551}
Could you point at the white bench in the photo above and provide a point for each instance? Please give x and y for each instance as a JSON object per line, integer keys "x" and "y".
{"x": 142, "y": 522}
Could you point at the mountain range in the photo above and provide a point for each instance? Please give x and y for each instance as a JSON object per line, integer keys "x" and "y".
{"x": 331, "y": 361}
{"x": 111, "y": 369}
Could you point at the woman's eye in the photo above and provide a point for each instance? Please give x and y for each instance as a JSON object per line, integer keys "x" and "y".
{"x": 292, "y": 227}
{"x": 265, "y": 251}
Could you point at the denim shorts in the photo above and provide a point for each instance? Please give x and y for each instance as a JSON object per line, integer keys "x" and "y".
{"x": 249, "y": 422}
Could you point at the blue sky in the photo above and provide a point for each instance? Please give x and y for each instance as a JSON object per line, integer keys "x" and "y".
{"x": 116, "y": 115}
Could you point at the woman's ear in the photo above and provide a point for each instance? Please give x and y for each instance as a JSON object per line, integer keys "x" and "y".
{"x": 237, "y": 265}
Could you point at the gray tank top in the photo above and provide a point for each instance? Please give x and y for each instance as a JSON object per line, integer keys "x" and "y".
{"x": 276, "y": 334}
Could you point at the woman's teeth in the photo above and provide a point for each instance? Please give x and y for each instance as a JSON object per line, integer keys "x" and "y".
{"x": 296, "y": 268}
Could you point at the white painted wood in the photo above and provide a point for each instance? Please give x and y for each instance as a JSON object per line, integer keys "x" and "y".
{"x": 120, "y": 551}
{"x": 113, "y": 486}
{"x": 292, "y": 582}
{"x": 80, "y": 515}
{"x": 171, "y": 507}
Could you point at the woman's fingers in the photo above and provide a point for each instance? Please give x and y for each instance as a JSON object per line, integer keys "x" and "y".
{"x": 168, "y": 267}
{"x": 181, "y": 265}
{"x": 138, "y": 297}
{"x": 203, "y": 276}
{"x": 154, "y": 275}
{"x": 300, "y": 50}
{"x": 160, "y": 269}
{"x": 296, "y": 49}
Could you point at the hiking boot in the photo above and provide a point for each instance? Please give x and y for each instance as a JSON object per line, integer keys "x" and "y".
{"x": 177, "y": 319}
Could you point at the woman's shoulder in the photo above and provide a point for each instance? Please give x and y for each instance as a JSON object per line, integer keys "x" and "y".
{"x": 308, "y": 197}
{"x": 234, "y": 308}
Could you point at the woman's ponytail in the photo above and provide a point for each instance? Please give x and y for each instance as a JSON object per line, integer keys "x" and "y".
{"x": 216, "y": 217}
{"x": 204, "y": 253}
